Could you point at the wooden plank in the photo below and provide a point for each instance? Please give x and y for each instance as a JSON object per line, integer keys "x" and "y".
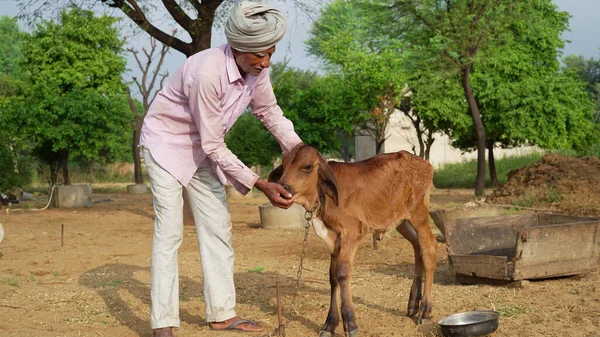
{"x": 556, "y": 250}
{"x": 545, "y": 219}
{"x": 480, "y": 265}
{"x": 486, "y": 235}
{"x": 554, "y": 269}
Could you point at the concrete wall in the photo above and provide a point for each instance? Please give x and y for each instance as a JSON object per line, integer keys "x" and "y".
{"x": 401, "y": 136}
{"x": 365, "y": 147}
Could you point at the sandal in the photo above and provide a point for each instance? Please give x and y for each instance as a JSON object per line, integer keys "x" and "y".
{"x": 234, "y": 326}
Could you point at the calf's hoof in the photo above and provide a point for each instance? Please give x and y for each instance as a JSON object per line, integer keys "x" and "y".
{"x": 325, "y": 334}
{"x": 412, "y": 311}
{"x": 423, "y": 321}
{"x": 353, "y": 333}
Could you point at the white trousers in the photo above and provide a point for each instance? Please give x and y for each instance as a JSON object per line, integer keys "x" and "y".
{"x": 207, "y": 200}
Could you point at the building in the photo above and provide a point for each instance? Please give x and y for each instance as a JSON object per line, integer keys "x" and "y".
{"x": 402, "y": 136}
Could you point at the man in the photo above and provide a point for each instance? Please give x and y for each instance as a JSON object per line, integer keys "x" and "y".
{"x": 184, "y": 149}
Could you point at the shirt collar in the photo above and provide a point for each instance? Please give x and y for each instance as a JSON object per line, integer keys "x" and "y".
{"x": 233, "y": 73}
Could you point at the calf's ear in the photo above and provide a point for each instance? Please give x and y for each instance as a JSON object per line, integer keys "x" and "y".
{"x": 327, "y": 181}
{"x": 275, "y": 175}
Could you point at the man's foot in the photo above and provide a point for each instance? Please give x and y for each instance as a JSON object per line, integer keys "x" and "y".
{"x": 238, "y": 324}
{"x": 163, "y": 332}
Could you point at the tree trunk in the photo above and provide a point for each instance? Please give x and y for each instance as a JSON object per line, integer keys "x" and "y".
{"x": 345, "y": 153}
{"x": 379, "y": 146}
{"x": 429, "y": 144}
{"x": 479, "y": 129}
{"x": 492, "y": 163}
{"x": 54, "y": 167}
{"x": 137, "y": 161}
{"x": 137, "y": 130}
{"x": 199, "y": 29}
{"x": 65, "y": 167}
{"x": 417, "y": 125}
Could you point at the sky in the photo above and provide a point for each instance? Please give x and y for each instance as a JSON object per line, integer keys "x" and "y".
{"x": 583, "y": 35}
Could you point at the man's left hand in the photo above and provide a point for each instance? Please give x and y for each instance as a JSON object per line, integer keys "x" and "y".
{"x": 277, "y": 195}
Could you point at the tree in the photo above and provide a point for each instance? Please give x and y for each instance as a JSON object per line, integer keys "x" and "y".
{"x": 588, "y": 71}
{"x": 524, "y": 98}
{"x": 458, "y": 30}
{"x": 318, "y": 115}
{"x": 75, "y": 103}
{"x": 10, "y": 46}
{"x": 10, "y": 142}
{"x": 431, "y": 106}
{"x": 312, "y": 103}
{"x": 146, "y": 87}
{"x": 13, "y": 144}
{"x": 194, "y": 16}
{"x": 369, "y": 65}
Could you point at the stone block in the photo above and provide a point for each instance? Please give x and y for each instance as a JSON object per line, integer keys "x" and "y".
{"x": 272, "y": 217}
{"x": 137, "y": 189}
{"x": 68, "y": 196}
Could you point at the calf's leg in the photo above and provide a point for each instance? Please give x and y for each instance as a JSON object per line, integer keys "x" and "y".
{"x": 333, "y": 316}
{"x": 414, "y": 301}
{"x": 343, "y": 273}
{"x": 428, "y": 246}
{"x": 418, "y": 232}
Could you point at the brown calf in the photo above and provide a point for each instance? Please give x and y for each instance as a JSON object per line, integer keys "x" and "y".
{"x": 352, "y": 199}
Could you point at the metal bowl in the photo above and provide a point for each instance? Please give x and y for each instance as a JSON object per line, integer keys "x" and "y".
{"x": 470, "y": 324}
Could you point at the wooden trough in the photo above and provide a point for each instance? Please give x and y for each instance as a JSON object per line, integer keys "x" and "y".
{"x": 520, "y": 247}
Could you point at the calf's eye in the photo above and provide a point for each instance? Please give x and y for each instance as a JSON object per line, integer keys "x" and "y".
{"x": 307, "y": 168}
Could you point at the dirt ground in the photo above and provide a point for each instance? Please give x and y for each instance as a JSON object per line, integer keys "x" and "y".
{"x": 97, "y": 283}
{"x": 556, "y": 183}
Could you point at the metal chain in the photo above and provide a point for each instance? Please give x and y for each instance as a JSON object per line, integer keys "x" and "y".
{"x": 280, "y": 331}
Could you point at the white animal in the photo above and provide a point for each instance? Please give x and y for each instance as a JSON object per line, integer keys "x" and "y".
{"x": 1, "y": 232}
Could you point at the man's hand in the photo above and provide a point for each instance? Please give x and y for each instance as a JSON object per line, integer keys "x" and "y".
{"x": 277, "y": 195}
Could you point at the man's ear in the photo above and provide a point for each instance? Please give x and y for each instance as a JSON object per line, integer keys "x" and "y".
{"x": 327, "y": 181}
{"x": 275, "y": 175}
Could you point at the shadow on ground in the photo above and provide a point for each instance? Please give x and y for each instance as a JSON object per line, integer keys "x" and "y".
{"x": 256, "y": 289}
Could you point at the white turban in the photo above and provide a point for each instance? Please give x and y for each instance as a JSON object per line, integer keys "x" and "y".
{"x": 254, "y": 27}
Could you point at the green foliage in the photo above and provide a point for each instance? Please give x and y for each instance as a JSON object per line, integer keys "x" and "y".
{"x": 462, "y": 175}
{"x": 257, "y": 269}
{"x": 512, "y": 311}
{"x": 288, "y": 82}
{"x": 523, "y": 97}
{"x": 15, "y": 168}
{"x": 9, "y": 178}
{"x": 553, "y": 195}
{"x": 251, "y": 142}
{"x": 74, "y": 105}
{"x": 317, "y": 114}
{"x": 115, "y": 283}
{"x": 307, "y": 100}
{"x": 12, "y": 282}
{"x": 313, "y": 103}
{"x": 588, "y": 71}
{"x": 368, "y": 65}
{"x": 10, "y": 46}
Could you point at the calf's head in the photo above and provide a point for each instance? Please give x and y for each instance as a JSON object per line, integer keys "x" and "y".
{"x": 305, "y": 174}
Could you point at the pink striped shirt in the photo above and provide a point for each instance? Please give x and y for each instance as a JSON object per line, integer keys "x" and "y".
{"x": 187, "y": 121}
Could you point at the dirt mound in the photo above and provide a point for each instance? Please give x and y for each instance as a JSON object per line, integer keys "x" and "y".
{"x": 568, "y": 184}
